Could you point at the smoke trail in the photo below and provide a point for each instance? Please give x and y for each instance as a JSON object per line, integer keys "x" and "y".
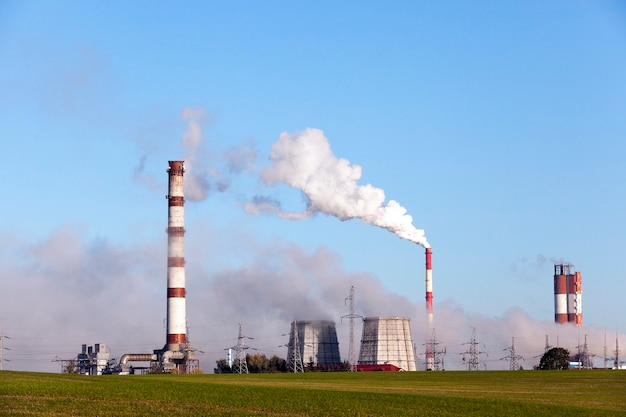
{"x": 197, "y": 183}
{"x": 203, "y": 174}
{"x": 304, "y": 160}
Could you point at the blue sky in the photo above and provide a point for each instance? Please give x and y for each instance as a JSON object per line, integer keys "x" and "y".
{"x": 499, "y": 127}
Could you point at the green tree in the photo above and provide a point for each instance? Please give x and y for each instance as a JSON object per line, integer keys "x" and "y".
{"x": 258, "y": 363}
{"x": 555, "y": 359}
{"x": 277, "y": 364}
{"x": 222, "y": 367}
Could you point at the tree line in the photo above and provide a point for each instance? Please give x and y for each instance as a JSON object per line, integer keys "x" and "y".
{"x": 259, "y": 363}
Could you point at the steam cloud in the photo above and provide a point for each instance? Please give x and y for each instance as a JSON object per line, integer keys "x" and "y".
{"x": 304, "y": 160}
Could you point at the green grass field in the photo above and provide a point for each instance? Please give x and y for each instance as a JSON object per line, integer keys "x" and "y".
{"x": 484, "y": 393}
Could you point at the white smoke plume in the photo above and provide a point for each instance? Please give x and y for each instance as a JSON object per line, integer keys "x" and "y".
{"x": 304, "y": 160}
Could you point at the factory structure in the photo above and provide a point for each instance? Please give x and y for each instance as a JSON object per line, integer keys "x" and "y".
{"x": 568, "y": 303}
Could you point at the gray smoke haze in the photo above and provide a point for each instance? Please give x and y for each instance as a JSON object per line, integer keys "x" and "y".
{"x": 207, "y": 170}
{"x": 67, "y": 290}
{"x": 304, "y": 160}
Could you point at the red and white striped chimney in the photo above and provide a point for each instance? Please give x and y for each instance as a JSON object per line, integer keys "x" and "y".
{"x": 574, "y": 299}
{"x": 430, "y": 353}
{"x": 560, "y": 293}
{"x": 176, "y": 312}
{"x": 429, "y": 285}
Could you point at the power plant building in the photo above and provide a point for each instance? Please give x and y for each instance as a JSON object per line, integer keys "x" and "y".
{"x": 316, "y": 342}
{"x": 568, "y": 304}
{"x": 387, "y": 341}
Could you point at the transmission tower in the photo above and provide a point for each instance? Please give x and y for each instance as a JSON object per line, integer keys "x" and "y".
{"x": 513, "y": 357}
{"x": 191, "y": 364}
{"x": 472, "y": 355}
{"x": 583, "y": 355}
{"x": 2, "y": 348}
{"x": 437, "y": 354}
{"x": 547, "y": 346}
{"x": 351, "y": 316}
{"x": 606, "y": 356}
{"x": 240, "y": 364}
{"x": 617, "y": 362}
{"x": 295, "y": 359}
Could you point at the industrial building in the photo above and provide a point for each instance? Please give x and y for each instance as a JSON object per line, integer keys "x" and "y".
{"x": 93, "y": 360}
{"x": 387, "y": 340}
{"x": 568, "y": 304}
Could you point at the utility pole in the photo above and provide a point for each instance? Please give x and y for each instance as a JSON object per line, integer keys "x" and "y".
{"x": 351, "y": 316}
{"x": 513, "y": 357}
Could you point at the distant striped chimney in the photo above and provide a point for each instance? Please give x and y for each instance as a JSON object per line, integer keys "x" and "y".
{"x": 176, "y": 311}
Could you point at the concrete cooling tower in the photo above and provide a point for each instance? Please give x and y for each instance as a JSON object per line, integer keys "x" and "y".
{"x": 316, "y": 342}
{"x": 387, "y": 340}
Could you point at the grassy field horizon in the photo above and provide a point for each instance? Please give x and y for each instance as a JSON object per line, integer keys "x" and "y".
{"x": 449, "y": 393}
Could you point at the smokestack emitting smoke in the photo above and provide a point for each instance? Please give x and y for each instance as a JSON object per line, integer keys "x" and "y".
{"x": 429, "y": 285}
{"x": 304, "y": 160}
{"x": 176, "y": 311}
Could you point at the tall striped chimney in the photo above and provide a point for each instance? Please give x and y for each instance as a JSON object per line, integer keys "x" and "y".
{"x": 430, "y": 348}
{"x": 176, "y": 313}
{"x": 429, "y": 285}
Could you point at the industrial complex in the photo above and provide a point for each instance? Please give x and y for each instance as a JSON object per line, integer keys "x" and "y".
{"x": 386, "y": 342}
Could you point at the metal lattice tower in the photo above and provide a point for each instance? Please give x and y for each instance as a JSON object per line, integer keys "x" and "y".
{"x": 2, "y": 348}
{"x": 351, "y": 316}
{"x": 240, "y": 364}
{"x": 513, "y": 357}
{"x": 583, "y": 355}
{"x": 295, "y": 360}
{"x": 437, "y": 352}
{"x": 191, "y": 364}
{"x": 617, "y": 362}
{"x": 472, "y": 355}
{"x": 606, "y": 357}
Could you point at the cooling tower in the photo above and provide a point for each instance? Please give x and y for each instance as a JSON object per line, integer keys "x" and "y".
{"x": 316, "y": 342}
{"x": 387, "y": 340}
